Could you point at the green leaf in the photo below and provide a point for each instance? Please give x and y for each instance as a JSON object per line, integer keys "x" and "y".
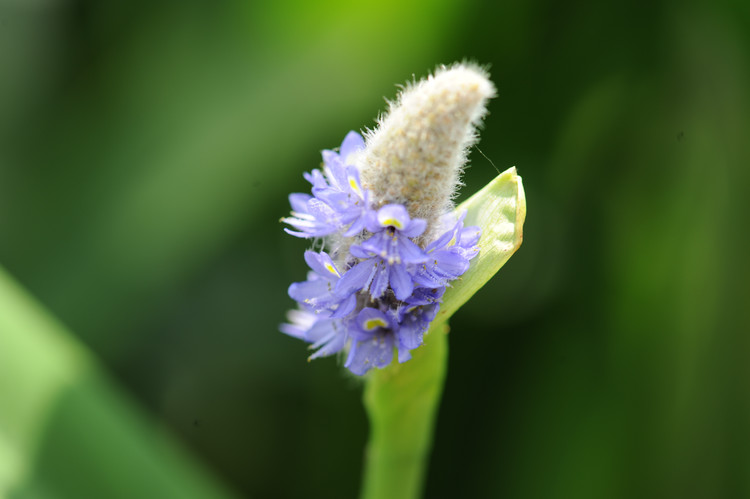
{"x": 66, "y": 430}
{"x": 500, "y": 210}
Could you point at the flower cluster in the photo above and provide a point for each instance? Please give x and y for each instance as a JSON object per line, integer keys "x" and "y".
{"x": 380, "y": 284}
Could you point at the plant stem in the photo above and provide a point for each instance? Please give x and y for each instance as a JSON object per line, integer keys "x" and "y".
{"x": 401, "y": 403}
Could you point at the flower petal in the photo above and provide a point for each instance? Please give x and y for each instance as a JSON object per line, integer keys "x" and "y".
{"x": 380, "y": 280}
{"x": 334, "y": 344}
{"x": 352, "y": 143}
{"x": 352, "y": 180}
{"x": 401, "y": 282}
{"x": 374, "y": 352}
{"x": 451, "y": 264}
{"x": 358, "y": 251}
{"x": 415, "y": 228}
{"x": 322, "y": 329}
{"x": 357, "y": 226}
{"x": 356, "y": 278}
{"x": 404, "y": 354}
{"x": 469, "y": 236}
{"x": 441, "y": 241}
{"x": 412, "y": 330}
{"x": 316, "y": 293}
{"x": 410, "y": 252}
{"x": 393, "y": 215}
{"x": 425, "y": 277}
{"x": 346, "y": 307}
{"x": 298, "y": 201}
{"x": 322, "y": 264}
{"x": 327, "y": 335}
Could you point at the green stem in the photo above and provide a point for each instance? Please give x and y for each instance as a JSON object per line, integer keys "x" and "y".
{"x": 401, "y": 403}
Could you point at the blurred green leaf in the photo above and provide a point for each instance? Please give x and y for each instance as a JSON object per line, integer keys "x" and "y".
{"x": 66, "y": 430}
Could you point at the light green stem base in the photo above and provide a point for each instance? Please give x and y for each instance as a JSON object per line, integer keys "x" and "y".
{"x": 402, "y": 403}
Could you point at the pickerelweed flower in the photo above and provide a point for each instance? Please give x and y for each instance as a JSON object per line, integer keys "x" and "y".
{"x": 383, "y": 207}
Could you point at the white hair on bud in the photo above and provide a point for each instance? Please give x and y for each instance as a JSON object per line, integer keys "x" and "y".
{"x": 416, "y": 154}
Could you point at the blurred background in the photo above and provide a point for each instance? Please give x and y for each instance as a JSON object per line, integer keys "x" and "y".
{"x": 146, "y": 155}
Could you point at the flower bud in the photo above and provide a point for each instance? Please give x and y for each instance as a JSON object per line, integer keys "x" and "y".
{"x": 416, "y": 154}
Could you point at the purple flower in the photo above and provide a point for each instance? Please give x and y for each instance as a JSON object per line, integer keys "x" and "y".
{"x": 338, "y": 199}
{"x": 373, "y": 340}
{"x": 386, "y": 254}
{"x": 392, "y": 228}
{"x": 386, "y": 290}
{"x": 300, "y": 321}
{"x": 339, "y": 177}
{"x": 326, "y": 334}
{"x": 311, "y": 217}
{"x": 448, "y": 255}
{"x": 374, "y": 275}
{"x": 317, "y": 291}
{"x": 416, "y": 314}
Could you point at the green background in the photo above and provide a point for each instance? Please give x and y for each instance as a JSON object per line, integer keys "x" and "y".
{"x": 146, "y": 152}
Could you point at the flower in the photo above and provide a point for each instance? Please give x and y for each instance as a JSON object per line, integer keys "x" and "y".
{"x": 449, "y": 255}
{"x": 317, "y": 291}
{"x": 386, "y": 254}
{"x": 338, "y": 198}
{"x": 381, "y": 294}
{"x": 373, "y": 341}
{"x": 326, "y": 334}
{"x": 417, "y": 313}
{"x": 382, "y": 207}
{"x": 392, "y": 227}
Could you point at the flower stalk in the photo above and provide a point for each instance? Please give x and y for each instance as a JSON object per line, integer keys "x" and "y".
{"x": 402, "y": 404}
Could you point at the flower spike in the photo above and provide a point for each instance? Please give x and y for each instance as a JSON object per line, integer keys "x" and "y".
{"x": 384, "y": 207}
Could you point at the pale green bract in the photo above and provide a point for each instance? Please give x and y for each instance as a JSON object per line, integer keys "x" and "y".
{"x": 499, "y": 209}
{"x": 402, "y": 400}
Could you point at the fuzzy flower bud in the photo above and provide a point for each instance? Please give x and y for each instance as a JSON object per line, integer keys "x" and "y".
{"x": 416, "y": 154}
